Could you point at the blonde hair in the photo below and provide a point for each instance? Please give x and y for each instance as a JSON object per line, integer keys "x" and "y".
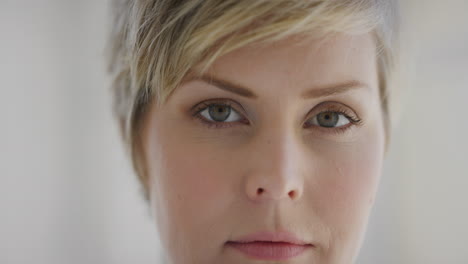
{"x": 154, "y": 44}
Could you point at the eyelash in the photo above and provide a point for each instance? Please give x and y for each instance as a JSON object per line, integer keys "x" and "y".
{"x": 353, "y": 121}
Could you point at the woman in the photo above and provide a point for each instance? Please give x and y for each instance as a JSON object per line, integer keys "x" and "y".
{"x": 258, "y": 129}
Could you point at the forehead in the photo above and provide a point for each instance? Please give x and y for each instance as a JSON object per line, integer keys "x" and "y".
{"x": 300, "y": 62}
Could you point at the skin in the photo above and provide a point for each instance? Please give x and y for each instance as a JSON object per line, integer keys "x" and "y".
{"x": 315, "y": 181}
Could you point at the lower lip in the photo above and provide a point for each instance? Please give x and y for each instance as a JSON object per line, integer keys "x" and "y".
{"x": 270, "y": 250}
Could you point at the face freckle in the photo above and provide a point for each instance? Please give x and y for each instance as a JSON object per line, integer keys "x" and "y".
{"x": 205, "y": 181}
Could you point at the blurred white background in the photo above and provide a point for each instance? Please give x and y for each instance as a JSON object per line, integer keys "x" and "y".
{"x": 67, "y": 193}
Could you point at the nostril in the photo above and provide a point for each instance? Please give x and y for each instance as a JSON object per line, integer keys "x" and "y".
{"x": 259, "y": 190}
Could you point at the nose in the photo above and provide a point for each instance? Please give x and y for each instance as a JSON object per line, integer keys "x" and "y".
{"x": 275, "y": 169}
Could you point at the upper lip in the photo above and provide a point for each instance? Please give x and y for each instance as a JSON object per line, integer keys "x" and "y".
{"x": 267, "y": 236}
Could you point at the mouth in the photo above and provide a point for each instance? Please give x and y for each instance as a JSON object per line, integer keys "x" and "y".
{"x": 271, "y": 245}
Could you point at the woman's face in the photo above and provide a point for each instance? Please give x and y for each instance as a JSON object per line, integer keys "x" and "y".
{"x": 275, "y": 143}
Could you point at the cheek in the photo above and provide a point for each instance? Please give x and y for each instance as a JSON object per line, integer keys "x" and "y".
{"x": 188, "y": 179}
{"x": 352, "y": 177}
{"x": 195, "y": 177}
{"x": 344, "y": 190}
{"x": 353, "y": 171}
{"x": 186, "y": 171}
{"x": 190, "y": 189}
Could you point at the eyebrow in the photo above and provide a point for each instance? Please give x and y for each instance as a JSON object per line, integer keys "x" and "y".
{"x": 316, "y": 92}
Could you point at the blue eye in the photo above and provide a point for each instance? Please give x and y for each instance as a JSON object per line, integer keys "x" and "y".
{"x": 218, "y": 115}
{"x": 221, "y": 114}
{"x": 330, "y": 119}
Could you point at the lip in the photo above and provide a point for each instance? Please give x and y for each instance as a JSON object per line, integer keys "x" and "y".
{"x": 270, "y": 245}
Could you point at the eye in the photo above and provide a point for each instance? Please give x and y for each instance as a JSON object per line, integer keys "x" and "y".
{"x": 334, "y": 117}
{"x": 330, "y": 119}
{"x": 218, "y": 114}
{"x": 221, "y": 114}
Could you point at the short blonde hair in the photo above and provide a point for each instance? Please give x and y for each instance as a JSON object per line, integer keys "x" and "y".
{"x": 154, "y": 44}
